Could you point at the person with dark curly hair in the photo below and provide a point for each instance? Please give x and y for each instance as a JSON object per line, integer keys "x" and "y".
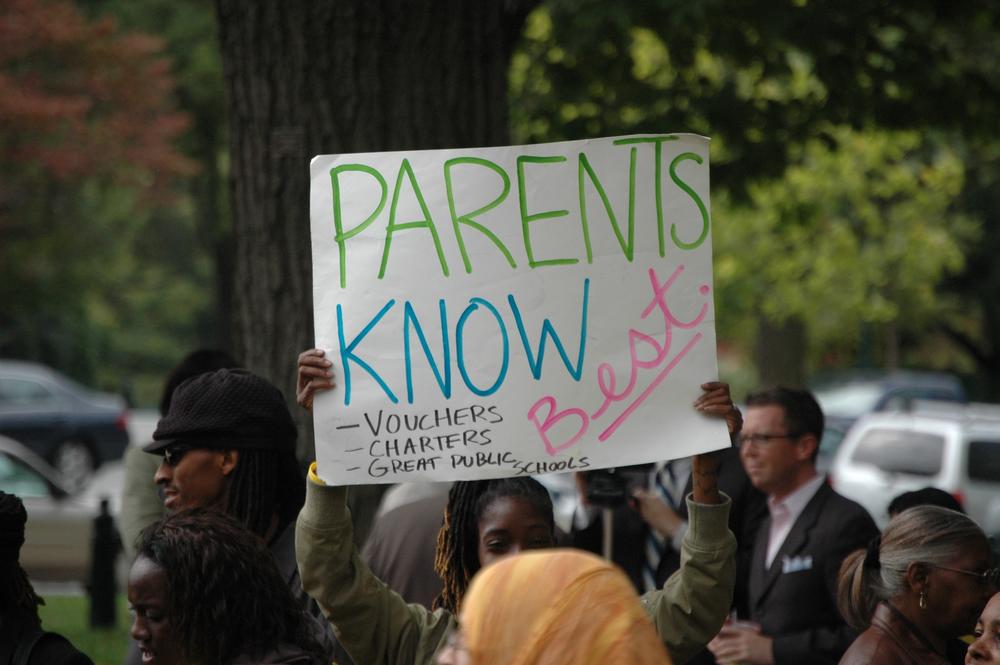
{"x": 22, "y": 640}
{"x": 205, "y": 591}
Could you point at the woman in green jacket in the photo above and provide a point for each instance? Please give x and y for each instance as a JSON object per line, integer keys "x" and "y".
{"x": 378, "y": 627}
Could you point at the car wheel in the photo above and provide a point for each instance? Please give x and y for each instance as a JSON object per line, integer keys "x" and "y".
{"x": 74, "y": 461}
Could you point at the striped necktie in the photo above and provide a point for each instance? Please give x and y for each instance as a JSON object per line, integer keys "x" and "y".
{"x": 665, "y": 485}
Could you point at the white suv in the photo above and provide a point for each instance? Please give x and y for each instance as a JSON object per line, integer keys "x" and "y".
{"x": 954, "y": 447}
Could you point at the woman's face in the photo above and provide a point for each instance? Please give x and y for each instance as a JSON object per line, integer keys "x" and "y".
{"x": 957, "y": 598}
{"x": 511, "y": 524}
{"x": 986, "y": 649}
{"x": 151, "y": 628}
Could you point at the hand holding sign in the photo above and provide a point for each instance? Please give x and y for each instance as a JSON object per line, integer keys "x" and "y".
{"x": 315, "y": 373}
{"x": 717, "y": 400}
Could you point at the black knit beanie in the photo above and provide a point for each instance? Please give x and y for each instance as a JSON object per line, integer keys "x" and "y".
{"x": 228, "y": 408}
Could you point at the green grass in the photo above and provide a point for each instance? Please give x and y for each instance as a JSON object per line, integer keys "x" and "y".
{"x": 69, "y": 616}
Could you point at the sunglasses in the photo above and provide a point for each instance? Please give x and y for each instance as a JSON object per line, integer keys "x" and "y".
{"x": 172, "y": 454}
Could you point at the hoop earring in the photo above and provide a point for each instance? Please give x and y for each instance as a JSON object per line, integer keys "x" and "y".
{"x": 923, "y": 600}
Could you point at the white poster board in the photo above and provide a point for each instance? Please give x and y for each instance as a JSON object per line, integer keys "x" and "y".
{"x": 516, "y": 310}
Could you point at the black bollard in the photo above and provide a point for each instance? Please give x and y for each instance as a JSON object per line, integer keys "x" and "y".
{"x": 102, "y": 570}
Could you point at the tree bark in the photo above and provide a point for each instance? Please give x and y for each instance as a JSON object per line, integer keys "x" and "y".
{"x": 780, "y": 352}
{"x": 305, "y": 78}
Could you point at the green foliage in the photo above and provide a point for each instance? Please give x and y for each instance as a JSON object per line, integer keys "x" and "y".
{"x": 863, "y": 93}
{"x": 195, "y": 234}
{"x": 101, "y": 273}
{"x": 855, "y": 234}
{"x": 760, "y": 83}
{"x": 67, "y": 615}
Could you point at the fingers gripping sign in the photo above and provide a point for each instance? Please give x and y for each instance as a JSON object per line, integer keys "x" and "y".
{"x": 315, "y": 374}
{"x": 716, "y": 400}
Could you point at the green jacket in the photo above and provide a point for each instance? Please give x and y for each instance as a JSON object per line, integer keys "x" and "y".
{"x": 377, "y": 627}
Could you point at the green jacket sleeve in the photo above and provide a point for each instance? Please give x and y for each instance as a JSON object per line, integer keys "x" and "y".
{"x": 694, "y": 602}
{"x": 373, "y": 623}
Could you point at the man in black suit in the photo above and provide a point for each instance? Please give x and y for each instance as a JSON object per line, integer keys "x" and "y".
{"x": 799, "y": 547}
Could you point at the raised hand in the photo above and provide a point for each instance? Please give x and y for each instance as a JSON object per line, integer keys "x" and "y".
{"x": 315, "y": 373}
{"x": 717, "y": 400}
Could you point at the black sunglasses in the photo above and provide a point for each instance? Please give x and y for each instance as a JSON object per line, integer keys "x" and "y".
{"x": 172, "y": 454}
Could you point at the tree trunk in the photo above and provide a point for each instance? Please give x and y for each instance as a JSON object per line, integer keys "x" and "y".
{"x": 780, "y": 352}
{"x": 892, "y": 352}
{"x": 213, "y": 228}
{"x": 307, "y": 78}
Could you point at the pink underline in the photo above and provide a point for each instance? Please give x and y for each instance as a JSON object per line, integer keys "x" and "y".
{"x": 649, "y": 389}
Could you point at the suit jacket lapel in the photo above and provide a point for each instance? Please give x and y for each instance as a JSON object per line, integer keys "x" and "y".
{"x": 757, "y": 570}
{"x": 796, "y": 540}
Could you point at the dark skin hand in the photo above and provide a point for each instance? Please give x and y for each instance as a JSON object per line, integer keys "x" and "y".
{"x": 315, "y": 373}
{"x": 705, "y": 478}
{"x": 716, "y": 401}
{"x": 705, "y": 467}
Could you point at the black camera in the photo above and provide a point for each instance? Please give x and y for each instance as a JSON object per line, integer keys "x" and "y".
{"x": 610, "y": 488}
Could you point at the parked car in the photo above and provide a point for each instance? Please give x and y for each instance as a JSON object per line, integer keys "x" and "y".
{"x": 847, "y": 395}
{"x": 57, "y": 538}
{"x": 954, "y": 447}
{"x": 76, "y": 429}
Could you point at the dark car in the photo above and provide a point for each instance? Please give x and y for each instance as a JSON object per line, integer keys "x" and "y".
{"x": 76, "y": 429}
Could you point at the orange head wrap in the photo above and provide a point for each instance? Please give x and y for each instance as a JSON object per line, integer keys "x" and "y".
{"x": 557, "y": 607}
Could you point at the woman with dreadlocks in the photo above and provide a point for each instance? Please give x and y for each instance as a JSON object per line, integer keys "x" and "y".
{"x": 205, "y": 591}
{"x": 22, "y": 640}
{"x": 485, "y": 520}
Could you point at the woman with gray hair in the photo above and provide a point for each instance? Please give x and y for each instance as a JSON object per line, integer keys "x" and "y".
{"x": 917, "y": 588}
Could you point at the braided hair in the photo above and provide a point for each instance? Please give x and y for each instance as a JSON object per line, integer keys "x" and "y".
{"x": 18, "y": 601}
{"x": 457, "y": 559}
{"x": 265, "y": 483}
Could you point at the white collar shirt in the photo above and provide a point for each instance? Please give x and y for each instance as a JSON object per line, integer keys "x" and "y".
{"x": 785, "y": 511}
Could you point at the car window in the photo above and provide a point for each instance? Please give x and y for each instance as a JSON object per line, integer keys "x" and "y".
{"x": 18, "y": 478}
{"x": 24, "y": 392}
{"x": 901, "y": 400}
{"x": 984, "y": 461}
{"x": 850, "y": 400}
{"x": 901, "y": 451}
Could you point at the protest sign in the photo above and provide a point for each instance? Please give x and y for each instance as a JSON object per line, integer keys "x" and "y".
{"x": 515, "y": 310}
